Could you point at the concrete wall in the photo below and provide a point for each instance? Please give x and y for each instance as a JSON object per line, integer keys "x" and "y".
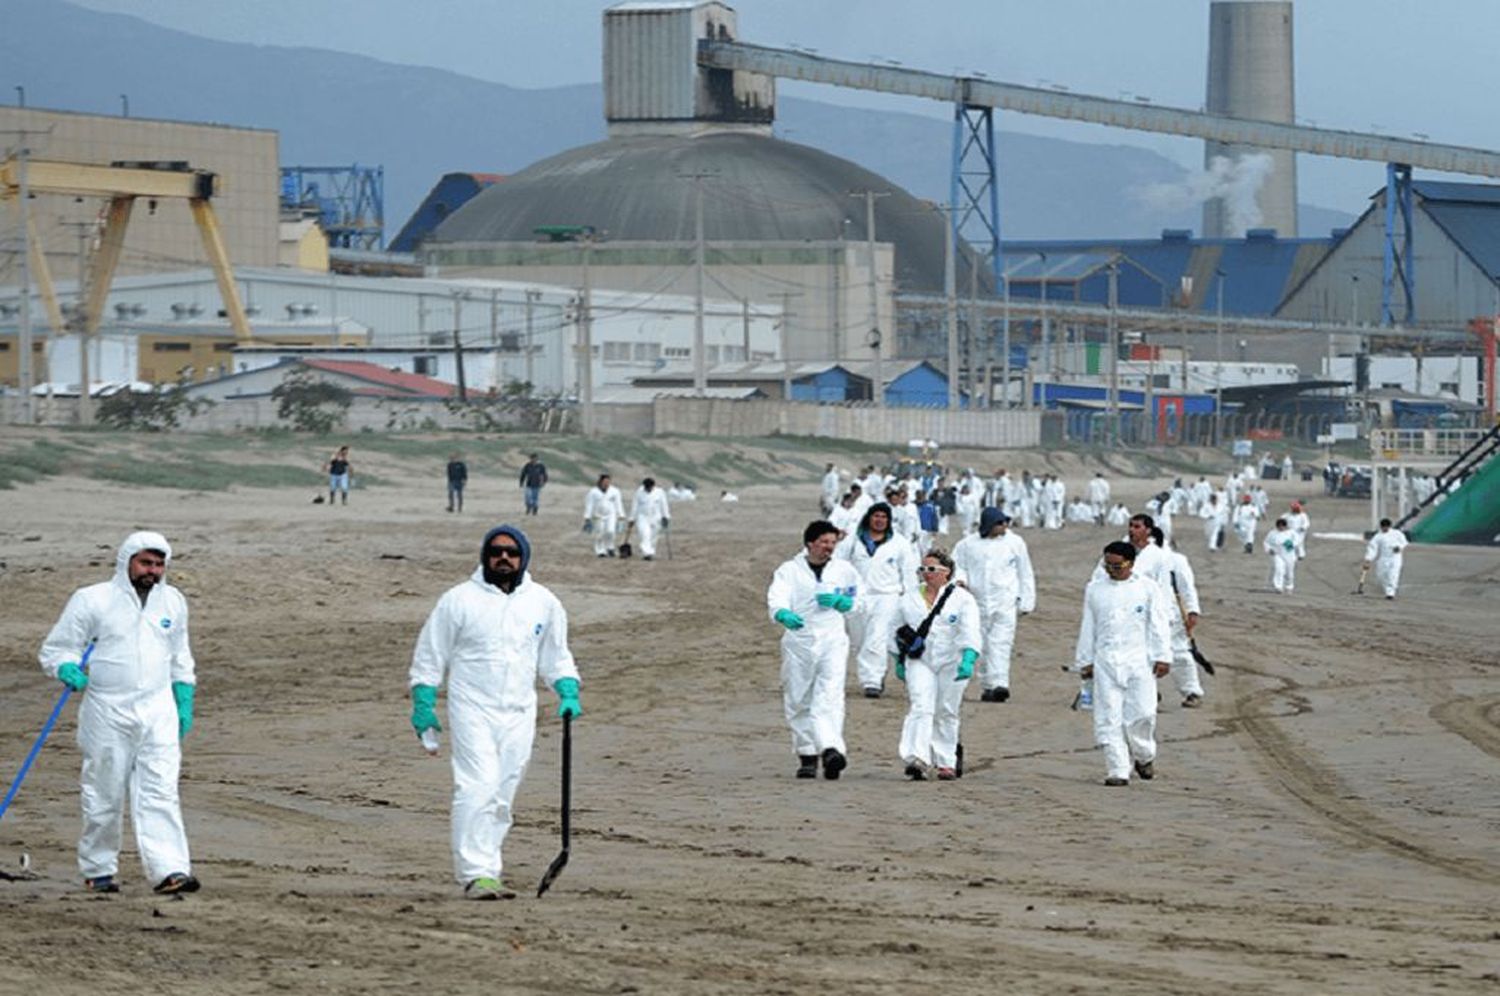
{"x": 885, "y": 427}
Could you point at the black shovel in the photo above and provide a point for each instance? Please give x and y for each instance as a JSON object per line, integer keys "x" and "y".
{"x": 561, "y": 861}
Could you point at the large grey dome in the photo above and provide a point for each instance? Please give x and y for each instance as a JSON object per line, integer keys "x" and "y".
{"x": 759, "y": 189}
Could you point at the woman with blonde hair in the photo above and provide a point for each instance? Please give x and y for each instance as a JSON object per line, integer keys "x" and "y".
{"x": 935, "y": 647}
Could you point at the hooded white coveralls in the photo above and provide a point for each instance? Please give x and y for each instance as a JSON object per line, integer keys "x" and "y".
{"x": 1098, "y": 496}
{"x": 1384, "y": 551}
{"x": 1184, "y": 668}
{"x": 1244, "y": 519}
{"x": 648, "y": 510}
{"x": 492, "y": 646}
{"x": 604, "y": 509}
{"x": 997, "y": 571}
{"x": 885, "y": 575}
{"x": 1124, "y": 631}
{"x": 1281, "y": 544}
{"x": 127, "y": 724}
{"x": 815, "y": 658}
{"x": 934, "y": 695}
{"x": 831, "y": 491}
{"x": 1299, "y": 523}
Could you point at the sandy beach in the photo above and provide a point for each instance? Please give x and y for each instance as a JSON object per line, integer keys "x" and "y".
{"x": 1328, "y": 822}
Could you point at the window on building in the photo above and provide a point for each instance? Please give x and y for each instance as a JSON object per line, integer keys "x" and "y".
{"x": 676, "y": 352}
{"x": 617, "y": 352}
{"x": 510, "y": 342}
{"x": 1449, "y": 386}
{"x": 171, "y": 347}
{"x": 733, "y": 354}
{"x": 424, "y": 365}
{"x": 647, "y": 352}
{"x": 1391, "y": 385}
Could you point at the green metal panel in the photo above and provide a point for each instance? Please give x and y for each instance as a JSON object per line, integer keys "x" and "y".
{"x": 1092, "y": 353}
{"x": 1469, "y": 515}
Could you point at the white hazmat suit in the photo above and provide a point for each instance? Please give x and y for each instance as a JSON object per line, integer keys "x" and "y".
{"x": 997, "y": 571}
{"x": 492, "y": 647}
{"x": 885, "y": 572}
{"x": 815, "y": 658}
{"x": 929, "y": 734}
{"x": 603, "y": 509}
{"x": 1384, "y": 552}
{"x": 128, "y": 722}
{"x": 1123, "y": 633}
{"x": 649, "y": 512}
{"x": 1281, "y": 544}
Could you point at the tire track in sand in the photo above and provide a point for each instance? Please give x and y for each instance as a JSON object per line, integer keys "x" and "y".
{"x": 1476, "y": 720}
{"x": 1320, "y": 790}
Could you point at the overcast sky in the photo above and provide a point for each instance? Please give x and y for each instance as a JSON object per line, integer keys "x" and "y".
{"x": 1398, "y": 67}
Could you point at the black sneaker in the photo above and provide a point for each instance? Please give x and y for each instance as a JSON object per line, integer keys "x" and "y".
{"x": 958, "y": 767}
{"x": 915, "y": 773}
{"x": 175, "y": 883}
{"x": 833, "y": 763}
{"x": 871, "y": 692}
{"x": 101, "y": 883}
{"x": 808, "y": 768}
{"x": 1116, "y": 782}
{"x": 1145, "y": 769}
{"x": 995, "y": 695}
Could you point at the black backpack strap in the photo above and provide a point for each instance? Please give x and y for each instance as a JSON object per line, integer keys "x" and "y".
{"x": 937, "y": 607}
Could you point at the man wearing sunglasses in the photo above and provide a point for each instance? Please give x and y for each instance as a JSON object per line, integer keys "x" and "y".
{"x": 1124, "y": 645}
{"x": 492, "y": 636}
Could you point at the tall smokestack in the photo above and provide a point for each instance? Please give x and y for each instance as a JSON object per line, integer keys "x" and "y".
{"x": 1250, "y": 76}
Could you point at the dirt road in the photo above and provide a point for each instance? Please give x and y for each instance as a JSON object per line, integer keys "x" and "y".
{"x": 1328, "y": 822}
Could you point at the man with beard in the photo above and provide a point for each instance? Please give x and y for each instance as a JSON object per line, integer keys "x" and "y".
{"x": 137, "y": 707}
{"x": 492, "y": 636}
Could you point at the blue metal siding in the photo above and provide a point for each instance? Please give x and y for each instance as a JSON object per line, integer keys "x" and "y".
{"x": 922, "y": 386}
{"x": 449, "y": 194}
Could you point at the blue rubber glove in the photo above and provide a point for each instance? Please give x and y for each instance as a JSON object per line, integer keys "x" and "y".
{"x": 966, "y": 664}
{"x": 72, "y": 675}
{"x": 424, "y": 708}
{"x": 182, "y": 694}
{"x": 567, "y": 695}
{"x": 788, "y": 618}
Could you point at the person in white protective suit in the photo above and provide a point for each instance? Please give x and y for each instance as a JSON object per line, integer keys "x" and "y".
{"x": 1053, "y": 497}
{"x": 1123, "y": 645}
{"x": 1243, "y": 519}
{"x": 603, "y": 508}
{"x": 809, "y": 597}
{"x": 491, "y": 636}
{"x": 937, "y": 670}
{"x": 1099, "y": 496}
{"x": 1384, "y": 551}
{"x": 137, "y": 707}
{"x": 1118, "y": 515}
{"x": 905, "y": 519}
{"x": 887, "y": 566}
{"x": 1215, "y": 521}
{"x": 1298, "y": 522}
{"x": 650, "y": 515}
{"x": 1184, "y": 609}
{"x": 995, "y": 566}
{"x": 1281, "y": 544}
{"x": 968, "y": 509}
{"x": 831, "y": 490}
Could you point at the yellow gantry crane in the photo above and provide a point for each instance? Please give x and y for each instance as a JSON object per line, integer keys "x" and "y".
{"x": 122, "y": 183}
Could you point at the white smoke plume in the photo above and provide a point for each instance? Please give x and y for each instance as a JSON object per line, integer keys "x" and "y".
{"x": 1236, "y": 181}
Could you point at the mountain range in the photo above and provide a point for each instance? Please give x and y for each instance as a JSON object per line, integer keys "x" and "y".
{"x": 334, "y": 108}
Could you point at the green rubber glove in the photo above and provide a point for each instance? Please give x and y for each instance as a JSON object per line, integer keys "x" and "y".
{"x": 843, "y": 603}
{"x": 966, "y": 664}
{"x": 826, "y": 599}
{"x": 424, "y": 708}
{"x": 900, "y": 669}
{"x": 567, "y": 694}
{"x": 72, "y": 675}
{"x": 788, "y": 618}
{"x": 182, "y": 694}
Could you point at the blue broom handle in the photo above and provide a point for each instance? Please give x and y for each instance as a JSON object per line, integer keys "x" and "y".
{"x": 36, "y": 748}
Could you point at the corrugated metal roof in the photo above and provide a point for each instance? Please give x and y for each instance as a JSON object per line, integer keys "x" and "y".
{"x": 392, "y": 380}
{"x": 1471, "y": 193}
{"x": 1474, "y": 226}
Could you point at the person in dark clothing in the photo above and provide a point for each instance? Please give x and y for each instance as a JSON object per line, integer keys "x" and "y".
{"x": 458, "y": 476}
{"x": 338, "y": 468}
{"x": 533, "y": 478}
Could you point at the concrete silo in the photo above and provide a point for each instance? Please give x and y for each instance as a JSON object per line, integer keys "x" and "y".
{"x": 1250, "y": 76}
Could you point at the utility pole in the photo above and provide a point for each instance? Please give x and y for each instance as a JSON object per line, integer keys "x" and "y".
{"x": 79, "y": 322}
{"x": 951, "y": 306}
{"x": 786, "y": 342}
{"x": 23, "y": 370}
{"x": 531, "y": 296}
{"x": 1005, "y": 336}
{"x": 586, "y": 335}
{"x": 745, "y": 330}
{"x": 700, "y": 250}
{"x": 874, "y": 338}
{"x": 1219, "y": 365}
{"x": 458, "y": 349}
{"x": 974, "y": 339}
{"x": 1114, "y": 351}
